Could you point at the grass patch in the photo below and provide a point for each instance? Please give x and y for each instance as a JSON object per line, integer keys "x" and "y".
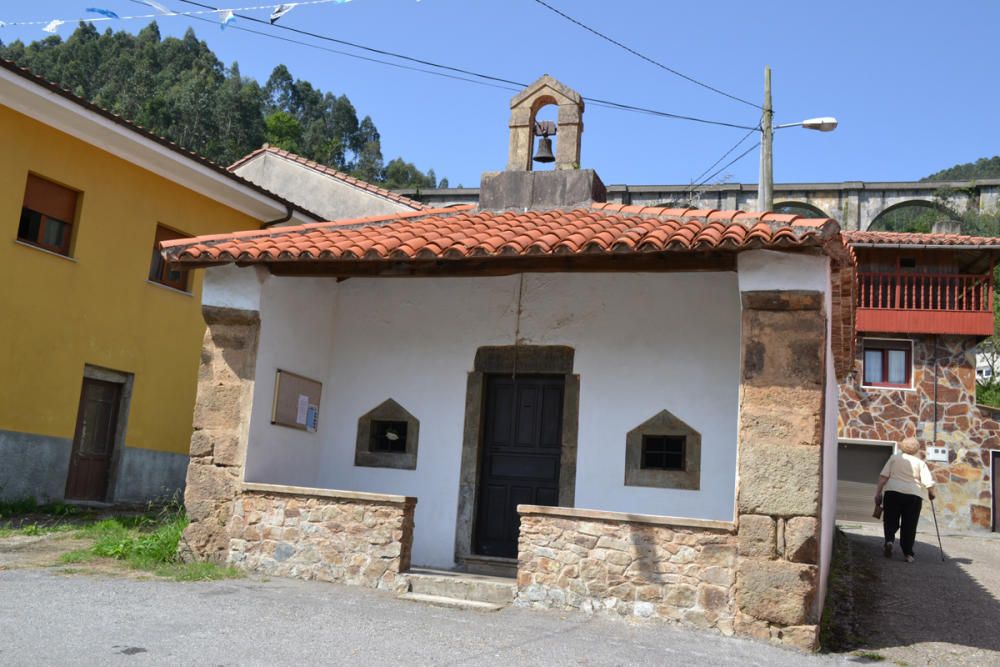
{"x": 10, "y": 508}
{"x": 31, "y": 529}
{"x": 148, "y": 544}
{"x": 76, "y": 556}
{"x": 870, "y": 656}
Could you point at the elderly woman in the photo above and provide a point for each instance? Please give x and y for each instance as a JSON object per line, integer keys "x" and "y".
{"x": 906, "y": 481}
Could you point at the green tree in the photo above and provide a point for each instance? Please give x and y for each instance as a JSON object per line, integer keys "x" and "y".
{"x": 179, "y": 89}
{"x": 283, "y": 131}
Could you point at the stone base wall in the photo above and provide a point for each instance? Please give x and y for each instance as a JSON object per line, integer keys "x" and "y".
{"x": 678, "y": 572}
{"x": 324, "y": 535}
{"x": 872, "y": 413}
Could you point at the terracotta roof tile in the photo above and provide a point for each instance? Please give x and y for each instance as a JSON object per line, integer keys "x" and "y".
{"x": 915, "y": 239}
{"x": 330, "y": 171}
{"x": 464, "y": 232}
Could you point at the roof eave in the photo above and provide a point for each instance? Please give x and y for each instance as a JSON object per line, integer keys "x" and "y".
{"x": 47, "y": 103}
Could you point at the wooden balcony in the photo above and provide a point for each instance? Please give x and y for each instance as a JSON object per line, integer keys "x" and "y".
{"x": 925, "y": 303}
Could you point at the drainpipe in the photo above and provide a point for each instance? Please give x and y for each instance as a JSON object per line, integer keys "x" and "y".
{"x": 935, "y": 389}
{"x": 271, "y": 223}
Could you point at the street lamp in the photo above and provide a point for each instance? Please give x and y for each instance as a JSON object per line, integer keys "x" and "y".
{"x": 765, "y": 185}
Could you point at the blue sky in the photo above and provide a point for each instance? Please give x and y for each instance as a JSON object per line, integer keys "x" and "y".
{"x": 913, "y": 84}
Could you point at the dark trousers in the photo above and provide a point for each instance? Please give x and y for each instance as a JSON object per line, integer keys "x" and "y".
{"x": 901, "y": 511}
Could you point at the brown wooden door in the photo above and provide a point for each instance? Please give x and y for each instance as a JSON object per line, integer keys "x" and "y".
{"x": 522, "y": 444}
{"x": 94, "y": 441}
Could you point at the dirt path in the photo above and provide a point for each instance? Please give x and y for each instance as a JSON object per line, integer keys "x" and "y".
{"x": 928, "y": 612}
{"x": 19, "y": 551}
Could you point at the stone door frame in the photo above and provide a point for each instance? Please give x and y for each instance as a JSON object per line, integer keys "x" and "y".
{"x": 504, "y": 360}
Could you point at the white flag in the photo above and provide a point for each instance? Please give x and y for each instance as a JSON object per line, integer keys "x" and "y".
{"x": 157, "y": 6}
{"x": 281, "y": 10}
{"x": 227, "y": 17}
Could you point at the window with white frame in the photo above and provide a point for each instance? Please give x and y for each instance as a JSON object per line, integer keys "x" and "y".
{"x": 888, "y": 363}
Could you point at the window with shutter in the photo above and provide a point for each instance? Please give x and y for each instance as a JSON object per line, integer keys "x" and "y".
{"x": 47, "y": 215}
{"x": 159, "y": 270}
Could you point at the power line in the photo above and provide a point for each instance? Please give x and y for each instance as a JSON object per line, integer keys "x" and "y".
{"x": 644, "y": 57}
{"x": 696, "y": 181}
{"x": 724, "y": 167}
{"x": 457, "y": 70}
{"x": 359, "y": 57}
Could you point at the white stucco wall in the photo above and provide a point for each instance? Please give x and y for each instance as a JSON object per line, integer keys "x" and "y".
{"x": 324, "y": 195}
{"x": 643, "y": 342}
{"x": 296, "y": 335}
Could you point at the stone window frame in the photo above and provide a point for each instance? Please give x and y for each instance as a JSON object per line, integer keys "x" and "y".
{"x": 663, "y": 423}
{"x": 506, "y": 360}
{"x": 387, "y": 410}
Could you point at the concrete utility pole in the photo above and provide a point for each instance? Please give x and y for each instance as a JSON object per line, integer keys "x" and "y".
{"x": 765, "y": 185}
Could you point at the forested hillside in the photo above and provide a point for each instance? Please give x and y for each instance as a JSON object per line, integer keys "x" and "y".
{"x": 984, "y": 167}
{"x": 179, "y": 89}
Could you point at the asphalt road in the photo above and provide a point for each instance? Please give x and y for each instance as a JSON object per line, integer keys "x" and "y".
{"x": 48, "y": 618}
{"x": 930, "y": 612}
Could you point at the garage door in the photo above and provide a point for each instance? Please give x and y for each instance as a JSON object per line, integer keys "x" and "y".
{"x": 858, "y": 466}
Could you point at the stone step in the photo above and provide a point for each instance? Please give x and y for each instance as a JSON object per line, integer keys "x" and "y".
{"x": 451, "y": 603}
{"x": 461, "y": 586}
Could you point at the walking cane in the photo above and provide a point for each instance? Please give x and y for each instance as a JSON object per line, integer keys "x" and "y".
{"x": 934, "y": 514}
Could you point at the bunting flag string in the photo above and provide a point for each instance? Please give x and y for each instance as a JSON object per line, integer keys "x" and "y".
{"x": 226, "y": 16}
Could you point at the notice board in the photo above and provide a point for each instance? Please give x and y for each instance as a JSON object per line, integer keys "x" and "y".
{"x": 296, "y": 401}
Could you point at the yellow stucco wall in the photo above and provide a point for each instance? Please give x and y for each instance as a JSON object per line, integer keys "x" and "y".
{"x": 58, "y": 314}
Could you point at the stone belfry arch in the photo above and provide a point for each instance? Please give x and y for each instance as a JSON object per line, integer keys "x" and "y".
{"x": 524, "y": 108}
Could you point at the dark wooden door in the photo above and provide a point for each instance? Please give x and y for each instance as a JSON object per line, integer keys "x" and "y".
{"x": 94, "y": 441}
{"x": 522, "y": 444}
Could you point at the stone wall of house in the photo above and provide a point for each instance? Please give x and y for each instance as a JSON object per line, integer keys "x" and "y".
{"x": 969, "y": 433}
{"x": 678, "y": 572}
{"x": 324, "y": 535}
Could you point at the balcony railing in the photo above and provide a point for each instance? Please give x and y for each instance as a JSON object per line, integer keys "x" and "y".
{"x": 925, "y": 303}
{"x": 926, "y": 291}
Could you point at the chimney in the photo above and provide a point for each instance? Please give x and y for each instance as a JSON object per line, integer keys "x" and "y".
{"x": 521, "y": 188}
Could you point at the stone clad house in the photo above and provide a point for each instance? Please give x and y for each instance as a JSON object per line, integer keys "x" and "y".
{"x": 924, "y": 302}
{"x": 619, "y": 408}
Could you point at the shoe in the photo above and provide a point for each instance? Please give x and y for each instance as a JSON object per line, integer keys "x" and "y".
{"x": 887, "y": 550}
{"x": 909, "y": 559}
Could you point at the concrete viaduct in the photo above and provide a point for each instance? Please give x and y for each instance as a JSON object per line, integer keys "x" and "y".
{"x": 855, "y": 204}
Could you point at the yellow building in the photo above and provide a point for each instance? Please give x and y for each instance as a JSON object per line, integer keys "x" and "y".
{"x": 99, "y": 341}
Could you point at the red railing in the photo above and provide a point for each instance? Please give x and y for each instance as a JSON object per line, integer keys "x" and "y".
{"x": 929, "y": 291}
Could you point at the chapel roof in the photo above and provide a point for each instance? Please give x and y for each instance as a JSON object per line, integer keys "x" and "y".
{"x": 331, "y": 172}
{"x": 464, "y": 232}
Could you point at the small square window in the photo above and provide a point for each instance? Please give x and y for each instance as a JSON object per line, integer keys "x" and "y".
{"x": 47, "y": 215}
{"x": 907, "y": 262}
{"x": 159, "y": 270}
{"x": 388, "y": 436}
{"x": 663, "y": 452}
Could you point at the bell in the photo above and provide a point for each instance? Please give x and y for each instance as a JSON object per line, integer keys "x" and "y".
{"x": 544, "y": 152}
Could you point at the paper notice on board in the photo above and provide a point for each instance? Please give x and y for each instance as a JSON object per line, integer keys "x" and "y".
{"x": 303, "y": 410}
{"x": 312, "y": 418}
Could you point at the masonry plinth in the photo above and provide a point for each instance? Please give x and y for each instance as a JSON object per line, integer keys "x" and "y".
{"x": 780, "y": 466}
{"x": 221, "y": 421}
